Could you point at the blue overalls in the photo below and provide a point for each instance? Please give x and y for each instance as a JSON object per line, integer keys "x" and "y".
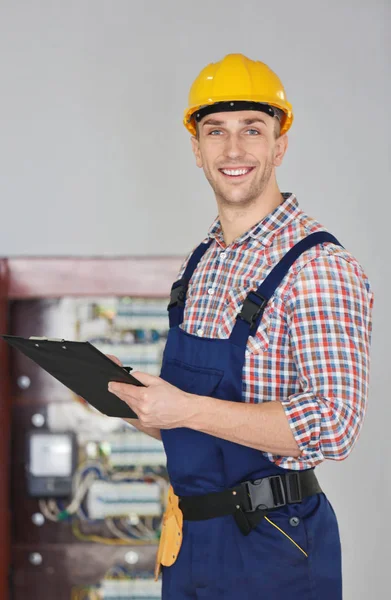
{"x": 216, "y": 560}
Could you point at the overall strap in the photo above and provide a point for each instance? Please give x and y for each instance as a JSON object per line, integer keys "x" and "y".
{"x": 179, "y": 287}
{"x": 247, "y": 321}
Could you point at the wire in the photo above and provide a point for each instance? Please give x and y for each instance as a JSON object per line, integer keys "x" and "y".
{"x": 117, "y": 572}
{"x": 139, "y": 530}
{"x": 143, "y": 533}
{"x": 80, "y": 493}
{"x": 43, "y": 507}
{"x": 111, "y": 526}
{"x": 108, "y": 541}
{"x": 81, "y": 593}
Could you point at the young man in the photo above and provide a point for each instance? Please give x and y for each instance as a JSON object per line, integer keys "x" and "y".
{"x": 265, "y": 371}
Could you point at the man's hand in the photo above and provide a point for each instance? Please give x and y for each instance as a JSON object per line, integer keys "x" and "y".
{"x": 114, "y": 359}
{"x": 159, "y": 405}
{"x": 153, "y": 432}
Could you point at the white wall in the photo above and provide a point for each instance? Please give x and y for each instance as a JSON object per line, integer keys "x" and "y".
{"x": 94, "y": 160}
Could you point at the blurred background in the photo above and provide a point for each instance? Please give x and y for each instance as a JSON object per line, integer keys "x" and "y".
{"x": 100, "y": 202}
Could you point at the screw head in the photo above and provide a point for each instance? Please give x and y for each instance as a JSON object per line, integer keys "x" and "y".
{"x": 35, "y": 558}
{"x": 38, "y": 519}
{"x": 38, "y": 420}
{"x": 131, "y": 557}
{"x": 24, "y": 382}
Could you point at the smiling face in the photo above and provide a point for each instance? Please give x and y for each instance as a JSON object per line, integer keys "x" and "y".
{"x": 238, "y": 152}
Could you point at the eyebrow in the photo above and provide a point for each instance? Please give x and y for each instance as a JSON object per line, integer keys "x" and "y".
{"x": 242, "y": 121}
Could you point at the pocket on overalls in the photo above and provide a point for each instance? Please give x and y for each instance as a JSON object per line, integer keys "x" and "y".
{"x": 290, "y": 531}
{"x": 187, "y": 450}
{"x": 190, "y": 378}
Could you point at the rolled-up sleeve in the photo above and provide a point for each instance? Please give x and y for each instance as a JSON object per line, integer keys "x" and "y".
{"x": 329, "y": 318}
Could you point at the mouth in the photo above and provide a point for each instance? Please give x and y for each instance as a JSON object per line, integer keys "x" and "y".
{"x": 238, "y": 173}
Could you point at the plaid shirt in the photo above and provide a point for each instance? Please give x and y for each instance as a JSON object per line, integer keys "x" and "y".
{"x": 311, "y": 350}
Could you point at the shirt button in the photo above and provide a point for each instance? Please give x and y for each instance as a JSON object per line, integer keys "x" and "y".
{"x": 200, "y": 332}
{"x": 223, "y": 255}
{"x": 294, "y": 521}
{"x": 211, "y": 291}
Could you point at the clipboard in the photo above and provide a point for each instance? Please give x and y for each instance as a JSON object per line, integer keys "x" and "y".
{"x": 80, "y": 367}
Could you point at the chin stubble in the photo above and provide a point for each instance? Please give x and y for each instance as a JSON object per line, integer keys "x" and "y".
{"x": 253, "y": 193}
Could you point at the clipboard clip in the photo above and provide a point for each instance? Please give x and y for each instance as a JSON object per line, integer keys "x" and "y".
{"x": 45, "y": 339}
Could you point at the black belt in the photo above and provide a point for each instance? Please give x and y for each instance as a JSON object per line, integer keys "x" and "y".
{"x": 250, "y": 501}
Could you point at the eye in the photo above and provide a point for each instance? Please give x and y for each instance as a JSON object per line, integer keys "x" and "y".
{"x": 214, "y": 131}
{"x": 253, "y": 131}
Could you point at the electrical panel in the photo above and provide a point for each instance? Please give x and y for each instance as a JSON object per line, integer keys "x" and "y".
{"x": 123, "y": 499}
{"x": 93, "y": 487}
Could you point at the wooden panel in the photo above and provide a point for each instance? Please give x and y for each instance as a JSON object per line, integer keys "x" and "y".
{"x": 67, "y": 565}
{"x": 32, "y": 317}
{"x": 56, "y": 277}
{"x": 5, "y": 420}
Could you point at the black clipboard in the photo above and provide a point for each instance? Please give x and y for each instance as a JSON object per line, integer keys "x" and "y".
{"x": 80, "y": 367}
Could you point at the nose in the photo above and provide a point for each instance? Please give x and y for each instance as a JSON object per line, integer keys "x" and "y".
{"x": 234, "y": 148}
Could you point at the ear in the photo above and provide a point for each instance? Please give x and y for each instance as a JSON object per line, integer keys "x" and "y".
{"x": 196, "y": 150}
{"x": 280, "y": 149}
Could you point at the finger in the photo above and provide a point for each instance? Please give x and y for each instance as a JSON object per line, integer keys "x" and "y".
{"x": 114, "y": 359}
{"x": 131, "y": 401}
{"x": 125, "y": 390}
{"x": 146, "y": 378}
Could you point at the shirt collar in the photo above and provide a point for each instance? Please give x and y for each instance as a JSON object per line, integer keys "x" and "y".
{"x": 263, "y": 231}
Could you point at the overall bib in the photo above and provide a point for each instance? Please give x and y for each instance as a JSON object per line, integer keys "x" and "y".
{"x": 299, "y": 556}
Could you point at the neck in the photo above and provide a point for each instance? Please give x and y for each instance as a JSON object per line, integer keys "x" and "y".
{"x": 236, "y": 220}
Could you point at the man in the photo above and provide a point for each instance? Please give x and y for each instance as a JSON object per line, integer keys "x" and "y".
{"x": 265, "y": 370}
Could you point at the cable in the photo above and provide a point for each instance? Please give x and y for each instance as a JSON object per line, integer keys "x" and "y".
{"x": 111, "y": 526}
{"x": 43, "y": 507}
{"x": 108, "y": 541}
{"x": 140, "y": 529}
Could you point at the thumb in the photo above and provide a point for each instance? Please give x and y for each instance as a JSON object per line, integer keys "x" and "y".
{"x": 145, "y": 378}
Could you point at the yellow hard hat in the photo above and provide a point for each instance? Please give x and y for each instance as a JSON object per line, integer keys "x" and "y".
{"x": 236, "y": 83}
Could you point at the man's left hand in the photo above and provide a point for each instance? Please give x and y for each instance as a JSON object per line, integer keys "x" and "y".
{"x": 160, "y": 404}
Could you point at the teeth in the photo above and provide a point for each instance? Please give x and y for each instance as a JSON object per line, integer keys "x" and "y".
{"x": 235, "y": 172}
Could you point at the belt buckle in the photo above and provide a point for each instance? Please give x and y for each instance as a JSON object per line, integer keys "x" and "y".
{"x": 292, "y": 499}
{"x": 266, "y": 493}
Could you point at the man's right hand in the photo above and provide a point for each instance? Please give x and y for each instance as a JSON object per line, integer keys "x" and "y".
{"x": 155, "y": 433}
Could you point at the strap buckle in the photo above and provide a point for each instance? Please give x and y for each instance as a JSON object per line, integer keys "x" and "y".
{"x": 293, "y": 488}
{"x": 265, "y": 494}
{"x": 178, "y": 295}
{"x": 251, "y": 310}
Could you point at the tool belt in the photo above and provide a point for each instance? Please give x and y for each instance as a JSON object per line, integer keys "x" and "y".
{"x": 250, "y": 501}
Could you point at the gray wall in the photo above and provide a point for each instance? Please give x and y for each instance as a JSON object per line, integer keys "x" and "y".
{"x": 94, "y": 161}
